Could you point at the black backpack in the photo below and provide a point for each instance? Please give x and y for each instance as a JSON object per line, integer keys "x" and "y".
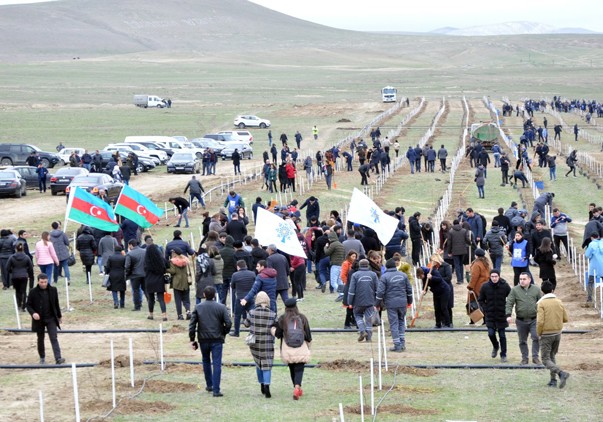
{"x": 295, "y": 333}
{"x": 484, "y": 224}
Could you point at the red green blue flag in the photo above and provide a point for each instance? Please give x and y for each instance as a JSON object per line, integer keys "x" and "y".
{"x": 90, "y": 210}
{"x": 138, "y": 208}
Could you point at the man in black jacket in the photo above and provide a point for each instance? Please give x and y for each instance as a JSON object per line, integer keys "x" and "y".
{"x": 210, "y": 322}
{"x": 493, "y": 299}
{"x": 236, "y": 228}
{"x": 241, "y": 283}
{"x": 43, "y": 306}
{"x": 313, "y": 209}
{"x": 415, "y": 237}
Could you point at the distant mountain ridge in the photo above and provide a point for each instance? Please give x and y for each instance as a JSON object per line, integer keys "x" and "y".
{"x": 509, "y": 28}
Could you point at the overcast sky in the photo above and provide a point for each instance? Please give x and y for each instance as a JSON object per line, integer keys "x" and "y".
{"x": 426, "y": 15}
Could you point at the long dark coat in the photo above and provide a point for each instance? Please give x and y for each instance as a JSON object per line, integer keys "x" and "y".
{"x": 86, "y": 245}
{"x": 154, "y": 282}
{"x": 493, "y": 298}
{"x": 116, "y": 268}
{"x": 262, "y": 351}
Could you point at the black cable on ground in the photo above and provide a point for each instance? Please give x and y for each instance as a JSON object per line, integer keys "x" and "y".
{"x": 47, "y": 366}
{"x": 99, "y": 331}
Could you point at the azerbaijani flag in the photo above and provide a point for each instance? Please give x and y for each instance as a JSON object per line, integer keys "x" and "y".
{"x": 90, "y": 210}
{"x": 138, "y": 208}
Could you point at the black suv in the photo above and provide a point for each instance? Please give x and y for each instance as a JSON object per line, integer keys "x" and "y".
{"x": 17, "y": 154}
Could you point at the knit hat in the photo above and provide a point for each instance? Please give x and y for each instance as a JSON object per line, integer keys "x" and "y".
{"x": 291, "y": 302}
{"x": 262, "y": 299}
{"x": 480, "y": 252}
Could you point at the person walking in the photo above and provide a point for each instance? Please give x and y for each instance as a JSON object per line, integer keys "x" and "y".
{"x": 135, "y": 272}
{"x": 46, "y": 257}
{"x": 315, "y": 132}
{"x": 115, "y": 268}
{"x": 45, "y": 310}
{"x": 571, "y": 161}
{"x": 458, "y": 241}
{"x": 241, "y": 282}
{"x": 559, "y": 226}
{"x": 19, "y": 269}
{"x": 261, "y": 320}
{"x": 42, "y": 174}
{"x": 395, "y": 292}
{"x": 361, "y": 295}
{"x": 524, "y": 298}
{"x": 86, "y": 246}
{"x": 182, "y": 278}
{"x": 183, "y": 206}
{"x": 210, "y": 322}
{"x": 236, "y": 161}
{"x": 442, "y": 155}
{"x": 293, "y": 329}
{"x": 492, "y": 300}
{"x": 480, "y": 180}
{"x": 154, "y": 270}
{"x": 60, "y": 241}
{"x": 196, "y": 189}
{"x": 520, "y": 251}
{"x": 495, "y": 241}
{"x": 551, "y": 315}
{"x": 545, "y": 257}
{"x": 594, "y": 253}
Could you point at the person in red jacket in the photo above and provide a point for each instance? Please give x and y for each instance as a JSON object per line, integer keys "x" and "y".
{"x": 291, "y": 171}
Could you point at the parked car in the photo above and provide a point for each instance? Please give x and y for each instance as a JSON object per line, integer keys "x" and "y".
{"x": 184, "y": 162}
{"x": 127, "y": 149}
{"x": 61, "y": 179}
{"x": 244, "y": 150}
{"x": 65, "y": 153}
{"x": 144, "y": 164}
{"x": 205, "y": 143}
{"x": 248, "y": 120}
{"x": 95, "y": 182}
{"x": 11, "y": 183}
{"x": 29, "y": 174}
{"x": 12, "y": 154}
{"x": 239, "y": 135}
{"x": 219, "y": 138}
{"x": 153, "y": 145}
{"x": 143, "y": 151}
{"x": 180, "y": 138}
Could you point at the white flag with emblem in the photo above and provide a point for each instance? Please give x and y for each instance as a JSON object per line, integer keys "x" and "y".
{"x": 364, "y": 211}
{"x": 271, "y": 229}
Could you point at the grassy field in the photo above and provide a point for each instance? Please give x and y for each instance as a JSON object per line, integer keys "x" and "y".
{"x": 87, "y": 103}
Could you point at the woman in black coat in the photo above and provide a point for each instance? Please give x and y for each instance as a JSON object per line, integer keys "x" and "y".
{"x": 116, "y": 269}
{"x": 492, "y": 300}
{"x": 20, "y": 269}
{"x": 545, "y": 259}
{"x": 155, "y": 267}
{"x": 86, "y": 245}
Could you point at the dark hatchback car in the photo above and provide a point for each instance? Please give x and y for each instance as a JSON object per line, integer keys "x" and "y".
{"x": 63, "y": 177}
{"x": 15, "y": 154}
{"x": 11, "y": 183}
{"x": 94, "y": 183}
{"x": 30, "y": 175}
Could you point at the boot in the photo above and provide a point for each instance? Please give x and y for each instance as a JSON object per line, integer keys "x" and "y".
{"x": 267, "y": 391}
{"x": 563, "y": 376}
{"x": 164, "y": 316}
{"x": 150, "y": 316}
{"x": 552, "y": 383}
{"x": 262, "y": 388}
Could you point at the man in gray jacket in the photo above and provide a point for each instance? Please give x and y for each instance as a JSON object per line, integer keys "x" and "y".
{"x": 60, "y": 241}
{"x": 361, "y": 296}
{"x": 281, "y": 265}
{"x": 135, "y": 272}
{"x": 210, "y": 322}
{"x": 195, "y": 190}
{"x": 395, "y": 291}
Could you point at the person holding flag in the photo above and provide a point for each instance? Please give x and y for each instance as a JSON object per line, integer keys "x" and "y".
{"x": 138, "y": 208}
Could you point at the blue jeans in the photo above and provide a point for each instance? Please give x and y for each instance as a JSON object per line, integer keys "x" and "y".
{"x": 264, "y": 377}
{"x": 323, "y": 269}
{"x": 62, "y": 264}
{"x": 185, "y": 215}
{"x": 99, "y": 261}
{"x": 412, "y": 166}
{"x": 137, "y": 292}
{"x": 218, "y": 293}
{"x": 496, "y": 261}
{"x": 458, "y": 268}
{"x": 480, "y": 191}
{"x": 496, "y": 159}
{"x": 553, "y": 173}
{"x": 212, "y": 365}
{"x": 335, "y": 277}
{"x": 199, "y": 198}
{"x": 328, "y": 179}
{"x": 121, "y": 301}
{"x": 240, "y": 311}
{"x": 47, "y": 269}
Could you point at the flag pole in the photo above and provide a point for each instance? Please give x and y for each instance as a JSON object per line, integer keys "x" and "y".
{"x": 68, "y": 208}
